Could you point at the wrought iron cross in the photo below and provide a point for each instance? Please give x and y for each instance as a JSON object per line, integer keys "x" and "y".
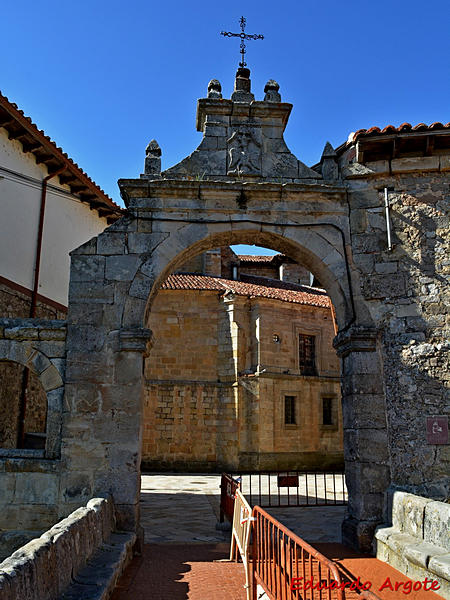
{"x": 244, "y": 36}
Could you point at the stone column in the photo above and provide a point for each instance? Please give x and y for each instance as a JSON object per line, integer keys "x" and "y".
{"x": 367, "y": 465}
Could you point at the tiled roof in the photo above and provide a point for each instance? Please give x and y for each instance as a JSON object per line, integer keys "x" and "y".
{"x": 403, "y": 128}
{"x": 47, "y": 152}
{"x": 253, "y": 287}
{"x": 257, "y": 258}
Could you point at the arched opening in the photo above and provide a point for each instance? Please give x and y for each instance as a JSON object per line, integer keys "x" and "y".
{"x": 242, "y": 374}
{"x": 23, "y": 408}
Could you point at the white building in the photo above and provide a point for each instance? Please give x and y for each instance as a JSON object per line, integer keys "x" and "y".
{"x": 49, "y": 206}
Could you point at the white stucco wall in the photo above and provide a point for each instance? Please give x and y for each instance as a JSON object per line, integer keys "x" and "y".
{"x": 68, "y": 223}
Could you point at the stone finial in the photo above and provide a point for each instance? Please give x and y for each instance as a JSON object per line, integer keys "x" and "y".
{"x": 214, "y": 89}
{"x": 328, "y": 151}
{"x": 242, "y": 86}
{"x": 271, "y": 91}
{"x": 152, "y": 159}
{"x": 329, "y": 163}
{"x": 153, "y": 149}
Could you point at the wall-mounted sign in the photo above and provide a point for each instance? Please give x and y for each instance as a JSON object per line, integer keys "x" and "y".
{"x": 437, "y": 430}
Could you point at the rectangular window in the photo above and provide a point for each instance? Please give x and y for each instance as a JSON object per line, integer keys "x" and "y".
{"x": 307, "y": 354}
{"x": 327, "y": 411}
{"x": 289, "y": 410}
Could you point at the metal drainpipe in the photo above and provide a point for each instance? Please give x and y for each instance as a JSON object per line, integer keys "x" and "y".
{"x": 37, "y": 264}
{"x": 388, "y": 222}
{"x": 34, "y": 294}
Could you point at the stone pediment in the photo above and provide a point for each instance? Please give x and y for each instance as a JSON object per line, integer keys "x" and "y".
{"x": 242, "y": 138}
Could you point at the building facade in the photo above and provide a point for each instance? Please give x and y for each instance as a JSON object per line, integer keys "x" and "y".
{"x": 49, "y": 206}
{"x": 242, "y": 373}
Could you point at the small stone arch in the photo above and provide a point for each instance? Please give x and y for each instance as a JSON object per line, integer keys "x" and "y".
{"x": 20, "y": 344}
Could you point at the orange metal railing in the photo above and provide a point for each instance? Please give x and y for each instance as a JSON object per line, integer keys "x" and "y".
{"x": 285, "y": 567}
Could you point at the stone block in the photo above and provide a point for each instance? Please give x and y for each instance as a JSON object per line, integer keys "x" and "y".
{"x": 359, "y": 383}
{"x": 444, "y": 163}
{"x": 53, "y": 349}
{"x": 366, "y": 445}
{"x": 109, "y": 243}
{"x": 386, "y": 267}
{"x": 364, "y": 411}
{"x": 358, "y": 220}
{"x": 364, "y": 262}
{"x": 440, "y": 566}
{"x": 419, "y": 163}
{"x": 437, "y": 524}
{"x": 408, "y": 310}
{"x": 362, "y": 478}
{"x": 365, "y": 198}
{"x": 86, "y": 338}
{"x": 36, "y": 488}
{"x": 38, "y": 362}
{"x": 89, "y": 247}
{"x": 122, "y": 268}
{"x": 21, "y": 333}
{"x": 128, "y": 368}
{"x": 408, "y": 513}
{"x": 7, "y": 488}
{"x": 420, "y": 553}
{"x": 87, "y": 268}
{"x": 51, "y": 379}
{"x": 145, "y": 243}
{"x": 376, "y": 219}
{"x": 384, "y": 286}
{"x": 96, "y": 293}
{"x": 76, "y": 486}
{"x": 368, "y": 243}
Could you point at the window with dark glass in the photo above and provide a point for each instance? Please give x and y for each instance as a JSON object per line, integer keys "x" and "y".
{"x": 307, "y": 354}
{"x": 327, "y": 411}
{"x": 289, "y": 410}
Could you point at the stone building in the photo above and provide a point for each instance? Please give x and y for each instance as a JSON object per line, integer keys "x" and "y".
{"x": 48, "y": 207}
{"x": 242, "y": 373}
{"x": 370, "y": 221}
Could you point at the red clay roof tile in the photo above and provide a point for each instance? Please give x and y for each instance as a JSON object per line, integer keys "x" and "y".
{"x": 253, "y": 287}
{"x": 403, "y": 128}
{"x": 12, "y": 109}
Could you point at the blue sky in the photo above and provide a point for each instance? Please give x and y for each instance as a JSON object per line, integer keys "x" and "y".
{"x": 103, "y": 78}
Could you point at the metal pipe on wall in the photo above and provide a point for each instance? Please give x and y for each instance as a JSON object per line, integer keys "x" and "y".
{"x": 34, "y": 295}
{"x": 388, "y": 222}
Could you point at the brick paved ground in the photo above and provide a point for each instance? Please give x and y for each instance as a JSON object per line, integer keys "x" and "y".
{"x": 179, "y": 513}
{"x": 182, "y": 572}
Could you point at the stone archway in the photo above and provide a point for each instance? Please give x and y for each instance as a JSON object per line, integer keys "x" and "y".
{"x": 40, "y": 347}
{"x": 114, "y": 279}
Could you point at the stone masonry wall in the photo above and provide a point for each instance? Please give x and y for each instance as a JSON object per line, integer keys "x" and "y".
{"x": 45, "y": 567}
{"x": 408, "y": 295}
{"x": 189, "y": 426}
{"x": 202, "y": 346}
{"x": 29, "y": 478}
{"x": 16, "y": 304}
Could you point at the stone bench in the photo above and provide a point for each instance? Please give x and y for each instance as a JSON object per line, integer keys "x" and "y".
{"x": 81, "y": 557}
{"x": 418, "y": 541}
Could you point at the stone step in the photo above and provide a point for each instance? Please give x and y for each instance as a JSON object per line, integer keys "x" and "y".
{"x": 97, "y": 580}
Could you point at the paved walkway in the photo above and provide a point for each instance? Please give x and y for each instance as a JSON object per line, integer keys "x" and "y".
{"x": 182, "y": 572}
{"x": 167, "y": 499}
{"x": 184, "y": 556}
